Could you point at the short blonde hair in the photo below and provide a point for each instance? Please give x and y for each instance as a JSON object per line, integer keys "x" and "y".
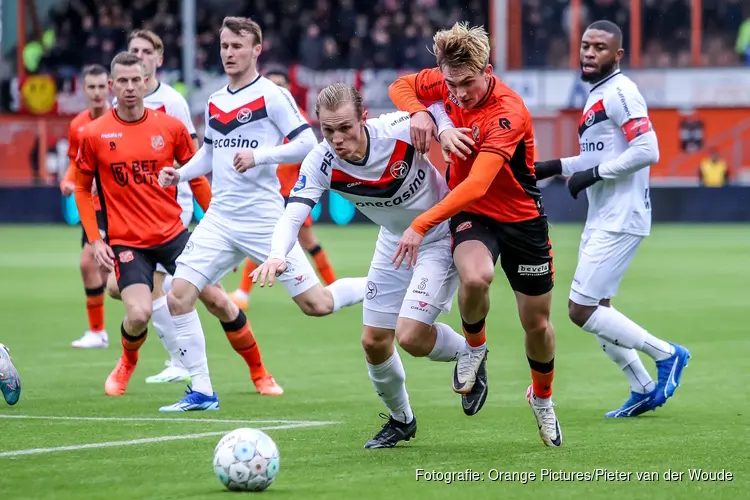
{"x": 462, "y": 46}
{"x": 243, "y": 25}
{"x": 150, "y": 37}
{"x": 336, "y": 95}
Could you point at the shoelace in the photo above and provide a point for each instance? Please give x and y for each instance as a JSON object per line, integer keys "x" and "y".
{"x": 467, "y": 368}
{"x": 547, "y": 414}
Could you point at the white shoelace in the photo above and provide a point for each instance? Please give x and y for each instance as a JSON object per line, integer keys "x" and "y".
{"x": 469, "y": 366}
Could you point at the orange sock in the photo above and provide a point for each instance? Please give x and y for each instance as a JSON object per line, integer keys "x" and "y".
{"x": 323, "y": 264}
{"x": 474, "y": 333}
{"x": 246, "y": 283}
{"x": 542, "y": 375}
{"x": 131, "y": 344}
{"x": 241, "y": 338}
{"x": 95, "y": 308}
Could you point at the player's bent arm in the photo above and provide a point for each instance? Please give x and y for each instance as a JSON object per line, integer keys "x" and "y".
{"x": 574, "y": 164}
{"x": 287, "y": 227}
{"x": 642, "y": 152}
{"x": 411, "y": 92}
{"x": 483, "y": 172}
{"x": 85, "y": 203}
{"x": 200, "y": 164}
{"x": 293, "y": 151}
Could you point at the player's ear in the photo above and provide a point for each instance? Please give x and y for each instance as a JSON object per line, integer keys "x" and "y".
{"x": 160, "y": 61}
{"x": 619, "y": 55}
{"x": 488, "y": 69}
{"x": 257, "y": 50}
{"x": 364, "y": 116}
{"x": 109, "y": 84}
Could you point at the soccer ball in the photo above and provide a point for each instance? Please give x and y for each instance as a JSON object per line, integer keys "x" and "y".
{"x": 246, "y": 460}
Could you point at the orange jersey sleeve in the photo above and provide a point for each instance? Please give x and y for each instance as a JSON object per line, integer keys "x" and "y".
{"x": 411, "y": 92}
{"x": 201, "y": 191}
{"x": 74, "y": 133}
{"x": 84, "y": 178}
{"x": 483, "y": 172}
{"x": 184, "y": 147}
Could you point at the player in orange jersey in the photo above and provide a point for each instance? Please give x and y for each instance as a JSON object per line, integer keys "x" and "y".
{"x": 96, "y": 91}
{"x": 288, "y": 178}
{"x": 124, "y": 151}
{"x": 495, "y": 208}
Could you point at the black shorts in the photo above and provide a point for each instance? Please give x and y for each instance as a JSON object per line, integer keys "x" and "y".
{"x": 524, "y": 248}
{"x": 137, "y": 265}
{"x": 101, "y": 221}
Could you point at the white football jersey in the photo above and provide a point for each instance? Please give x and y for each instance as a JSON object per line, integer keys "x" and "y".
{"x": 619, "y": 205}
{"x": 259, "y": 115}
{"x": 165, "y": 98}
{"x": 392, "y": 184}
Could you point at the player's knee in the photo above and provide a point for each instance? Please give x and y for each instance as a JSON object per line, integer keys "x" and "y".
{"x": 578, "y": 313}
{"x": 139, "y": 316}
{"x": 411, "y": 337}
{"x": 535, "y": 322}
{"x": 315, "y": 308}
{"x": 375, "y": 343}
{"x": 178, "y": 303}
{"x": 315, "y": 302}
{"x": 219, "y": 304}
{"x": 476, "y": 282}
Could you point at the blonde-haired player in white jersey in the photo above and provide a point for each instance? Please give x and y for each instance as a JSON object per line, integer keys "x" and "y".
{"x": 246, "y": 125}
{"x": 618, "y": 145}
{"x": 373, "y": 164}
{"x": 149, "y": 48}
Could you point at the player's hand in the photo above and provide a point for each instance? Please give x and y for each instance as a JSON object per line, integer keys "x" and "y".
{"x": 268, "y": 271}
{"x": 582, "y": 180}
{"x": 169, "y": 176}
{"x": 455, "y": 141}
{"x": 67, "y": 188}
{"x": 408, "y": 247}
{"x": 547, "y": 169}
{"x": 422, "y": 130}
{"x": 104, "y": 255}
{"x": 244, "y": 161}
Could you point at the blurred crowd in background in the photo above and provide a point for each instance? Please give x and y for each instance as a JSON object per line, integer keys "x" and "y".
{"x": 334, "y": 34}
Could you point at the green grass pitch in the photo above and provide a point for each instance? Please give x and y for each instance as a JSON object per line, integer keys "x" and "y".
{"x": 687, "y": 284}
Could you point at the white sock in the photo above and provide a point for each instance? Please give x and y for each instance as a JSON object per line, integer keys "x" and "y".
{"x": 192, "y": 347}
{"x": 447, "y": 345}
{"x": 162, "y": 321}
{"x": 241, "y": 294}
{"x": 631, "y": 365}
{"x": 389, "y": 380}
{"x": 347, "y": 292}
{"x": 614, "y": 326}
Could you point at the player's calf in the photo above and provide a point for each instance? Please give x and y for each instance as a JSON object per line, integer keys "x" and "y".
{"x": 579, "y": 314}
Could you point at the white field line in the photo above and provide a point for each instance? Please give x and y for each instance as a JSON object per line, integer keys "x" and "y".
{"x": 157, "y": 419}
{"x": 160, "y": 439}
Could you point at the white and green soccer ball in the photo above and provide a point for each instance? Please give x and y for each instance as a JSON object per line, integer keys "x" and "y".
{"x": 246, "y": 460}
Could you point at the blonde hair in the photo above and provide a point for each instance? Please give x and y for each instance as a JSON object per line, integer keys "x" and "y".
{"x": 462, "y": 46}
{"x": 243, "y": 25}
{"x": 150, "y": 37}
{"x": 125, "y": 59}
{"x": 336, "y": 95}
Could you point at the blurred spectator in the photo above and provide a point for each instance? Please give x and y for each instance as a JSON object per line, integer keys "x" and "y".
{"x": 713, "y": 170}
{"x": 742, "y": 47}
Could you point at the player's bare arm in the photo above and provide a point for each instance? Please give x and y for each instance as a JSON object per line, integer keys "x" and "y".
{"x": 85, "y": 202}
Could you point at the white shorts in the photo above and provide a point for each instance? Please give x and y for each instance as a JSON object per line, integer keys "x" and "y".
{"x": 603, "y": 258}
{"x": 187, "y": 218}
{"x": 420, "y": 293}
{"x": 214, "y": 250}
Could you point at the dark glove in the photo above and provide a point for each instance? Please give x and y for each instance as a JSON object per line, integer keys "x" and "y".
{"x": 582, "y": 180}
{"x": 545, "y": 169}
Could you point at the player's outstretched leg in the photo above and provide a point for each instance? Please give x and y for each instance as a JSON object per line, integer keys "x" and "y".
{"x": 615, "y": 327}
{"x": 188, "y": 338}
{"x": 240, "y": 336}
{"x": 133, "y": 331}
{"x": 641, "y": 384}
{"x": 476, "y": 271}
{"x": 322, "y": 301}
{"x": 174, "y": 370}
{"x": 389, "y": 380}
{"x": 10, "y": 381}
{"x": 534, "y": 312}
{"x": 93, "y": 282}
{"x": 241, "y": 296}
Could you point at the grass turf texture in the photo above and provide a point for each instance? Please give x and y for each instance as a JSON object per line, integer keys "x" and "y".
{"x": 688, "y": 284}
